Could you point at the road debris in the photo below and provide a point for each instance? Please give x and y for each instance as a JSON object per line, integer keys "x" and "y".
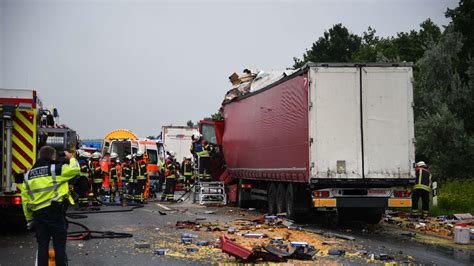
{"x": 337, "y": 252}
{"x": 161, "y": 251}
{"x": 142, "y": 245}
{"x": 442, "y": 226}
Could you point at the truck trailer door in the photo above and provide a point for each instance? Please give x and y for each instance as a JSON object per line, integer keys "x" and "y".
{"x": 387, "y": 97}
{"x": 335, "y": 128}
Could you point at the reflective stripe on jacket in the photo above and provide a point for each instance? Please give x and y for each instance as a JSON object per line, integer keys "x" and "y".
{"x": 84, "y": 168}
{"x": 142, "y": 171}
{"x": 97, "y": 173}
{"x": 187, "y": 168}
{"x": 423, "y": 179}
{"x": 47, "y": 182}
{"x": 113, "y": 173}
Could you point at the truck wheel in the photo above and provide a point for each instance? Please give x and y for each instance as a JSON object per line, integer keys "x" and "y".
{"x": 243, "y": 197}
{"x": 291, "y": 202}
{"x": 281, "y": 198}
{"x": 373, "y": 215}
{"x": 272, "y": 196}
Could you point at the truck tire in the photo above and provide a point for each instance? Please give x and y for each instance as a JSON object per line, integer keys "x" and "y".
{"x": 373, "y": 215}
{"x": 291, "y": 202}
{"x": 281, "y": 198}
{"x": 243, "y": 197}
{"x": 272, "y": 197}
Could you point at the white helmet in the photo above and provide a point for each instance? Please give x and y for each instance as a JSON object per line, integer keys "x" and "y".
{"x": 172, "y": 153}
{"x": 139, "y": 153}
{"x": 87, "y": 154}
{"x": 113, "y": 155}
{"x": 96, "y": 155}
{"x": 196, "y": 135}
{"x": 129, "y": 157}
{"x": 420, "y": 164}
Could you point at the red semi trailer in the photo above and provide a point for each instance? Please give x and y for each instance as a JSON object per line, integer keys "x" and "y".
{"x": 334, "y": 137}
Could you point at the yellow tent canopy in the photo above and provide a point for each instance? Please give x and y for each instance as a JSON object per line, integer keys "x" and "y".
{"x": 120, "y": 134}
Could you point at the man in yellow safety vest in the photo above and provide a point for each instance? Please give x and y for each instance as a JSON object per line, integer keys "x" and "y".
{"x": 45, "y": 195}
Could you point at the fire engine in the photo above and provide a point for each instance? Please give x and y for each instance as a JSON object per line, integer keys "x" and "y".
{"x": 26, "y": 126}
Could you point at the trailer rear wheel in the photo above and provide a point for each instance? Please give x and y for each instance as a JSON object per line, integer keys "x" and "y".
{"x": 272, "y": 198}
{"x": 373, "y": 215}
{"x": 291, "y": 212}
{"x": 281, "y": 198}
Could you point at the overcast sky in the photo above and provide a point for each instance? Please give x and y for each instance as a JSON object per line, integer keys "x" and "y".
{"x": 109, "y": 64}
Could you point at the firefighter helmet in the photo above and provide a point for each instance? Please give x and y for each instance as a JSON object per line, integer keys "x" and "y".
{"x": 139, "y": 154}
{"x": 196, "y": 136}
{"x": 113, "y": 156}
{"x": 420, "y": 164}
{"x": 95, "y": 155}
{"x": 128, "y": 157}
{"x": 172, "y": 153}
{"x": 87, "y": 155}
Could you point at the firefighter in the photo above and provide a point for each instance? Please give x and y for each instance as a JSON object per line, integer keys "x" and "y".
{"x": 142, "y": 177}
{"x": 171, "y": 173}
{"x": 201, "y": 150}
{"x": 161, "y": 174}
{"x": 132, "y": 181}
{"x": 113, "y": 176}
{"x": 81, "y": 183}
{"x": 127, "y": 176}
{"x": 421, "y": 189}
{"x": 45, "y": 196}
{"x": 97, "y": 177}
{"x": 187, "y": 170}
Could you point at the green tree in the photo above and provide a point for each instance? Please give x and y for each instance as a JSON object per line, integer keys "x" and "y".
{"x": 441, "y": 100}
{"x": 190, "y": 123}
{"x": 336, "y": 45}
{"x": 463, "y": 22}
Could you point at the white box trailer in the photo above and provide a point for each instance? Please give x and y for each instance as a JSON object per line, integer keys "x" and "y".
{"x": 361, "y": 122}
{"x": 178, "y": 139}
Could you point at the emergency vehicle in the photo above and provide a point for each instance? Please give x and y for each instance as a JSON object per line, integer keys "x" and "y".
{"x": 26, "y": 126}
{"x": 124, "y": 142}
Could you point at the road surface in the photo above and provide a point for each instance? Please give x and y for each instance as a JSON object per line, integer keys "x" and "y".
{"x": 155, "y": 224}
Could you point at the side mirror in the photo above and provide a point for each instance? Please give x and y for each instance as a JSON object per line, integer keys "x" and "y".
{"x": 55, "y": 112}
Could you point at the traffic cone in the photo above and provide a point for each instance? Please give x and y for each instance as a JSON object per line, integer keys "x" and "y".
{"x": 51, "y": 260}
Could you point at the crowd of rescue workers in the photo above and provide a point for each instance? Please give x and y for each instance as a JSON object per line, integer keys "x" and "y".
{"x": 129, "y": 180}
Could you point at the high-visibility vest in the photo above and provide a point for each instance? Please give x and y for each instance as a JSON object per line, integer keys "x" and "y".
{"x": 200, "y": 149}
{"x": 423, "y": 179}
{"x": 46, "y": 183}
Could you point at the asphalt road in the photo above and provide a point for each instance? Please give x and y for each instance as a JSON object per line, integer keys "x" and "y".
{"x": 18, "y": 247}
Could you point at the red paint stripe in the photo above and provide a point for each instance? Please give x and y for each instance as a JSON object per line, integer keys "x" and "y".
{"x": 22, "y": 153}
{"x": 16, "y": 100}
{"x": 23, "y": 140}
{"x": 27, "y": 116}
{"x": 18, "y": 163}
{"x": 24, "y": 127}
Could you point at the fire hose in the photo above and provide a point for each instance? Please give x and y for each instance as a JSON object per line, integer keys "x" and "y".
{"x": 90, "y": 234}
